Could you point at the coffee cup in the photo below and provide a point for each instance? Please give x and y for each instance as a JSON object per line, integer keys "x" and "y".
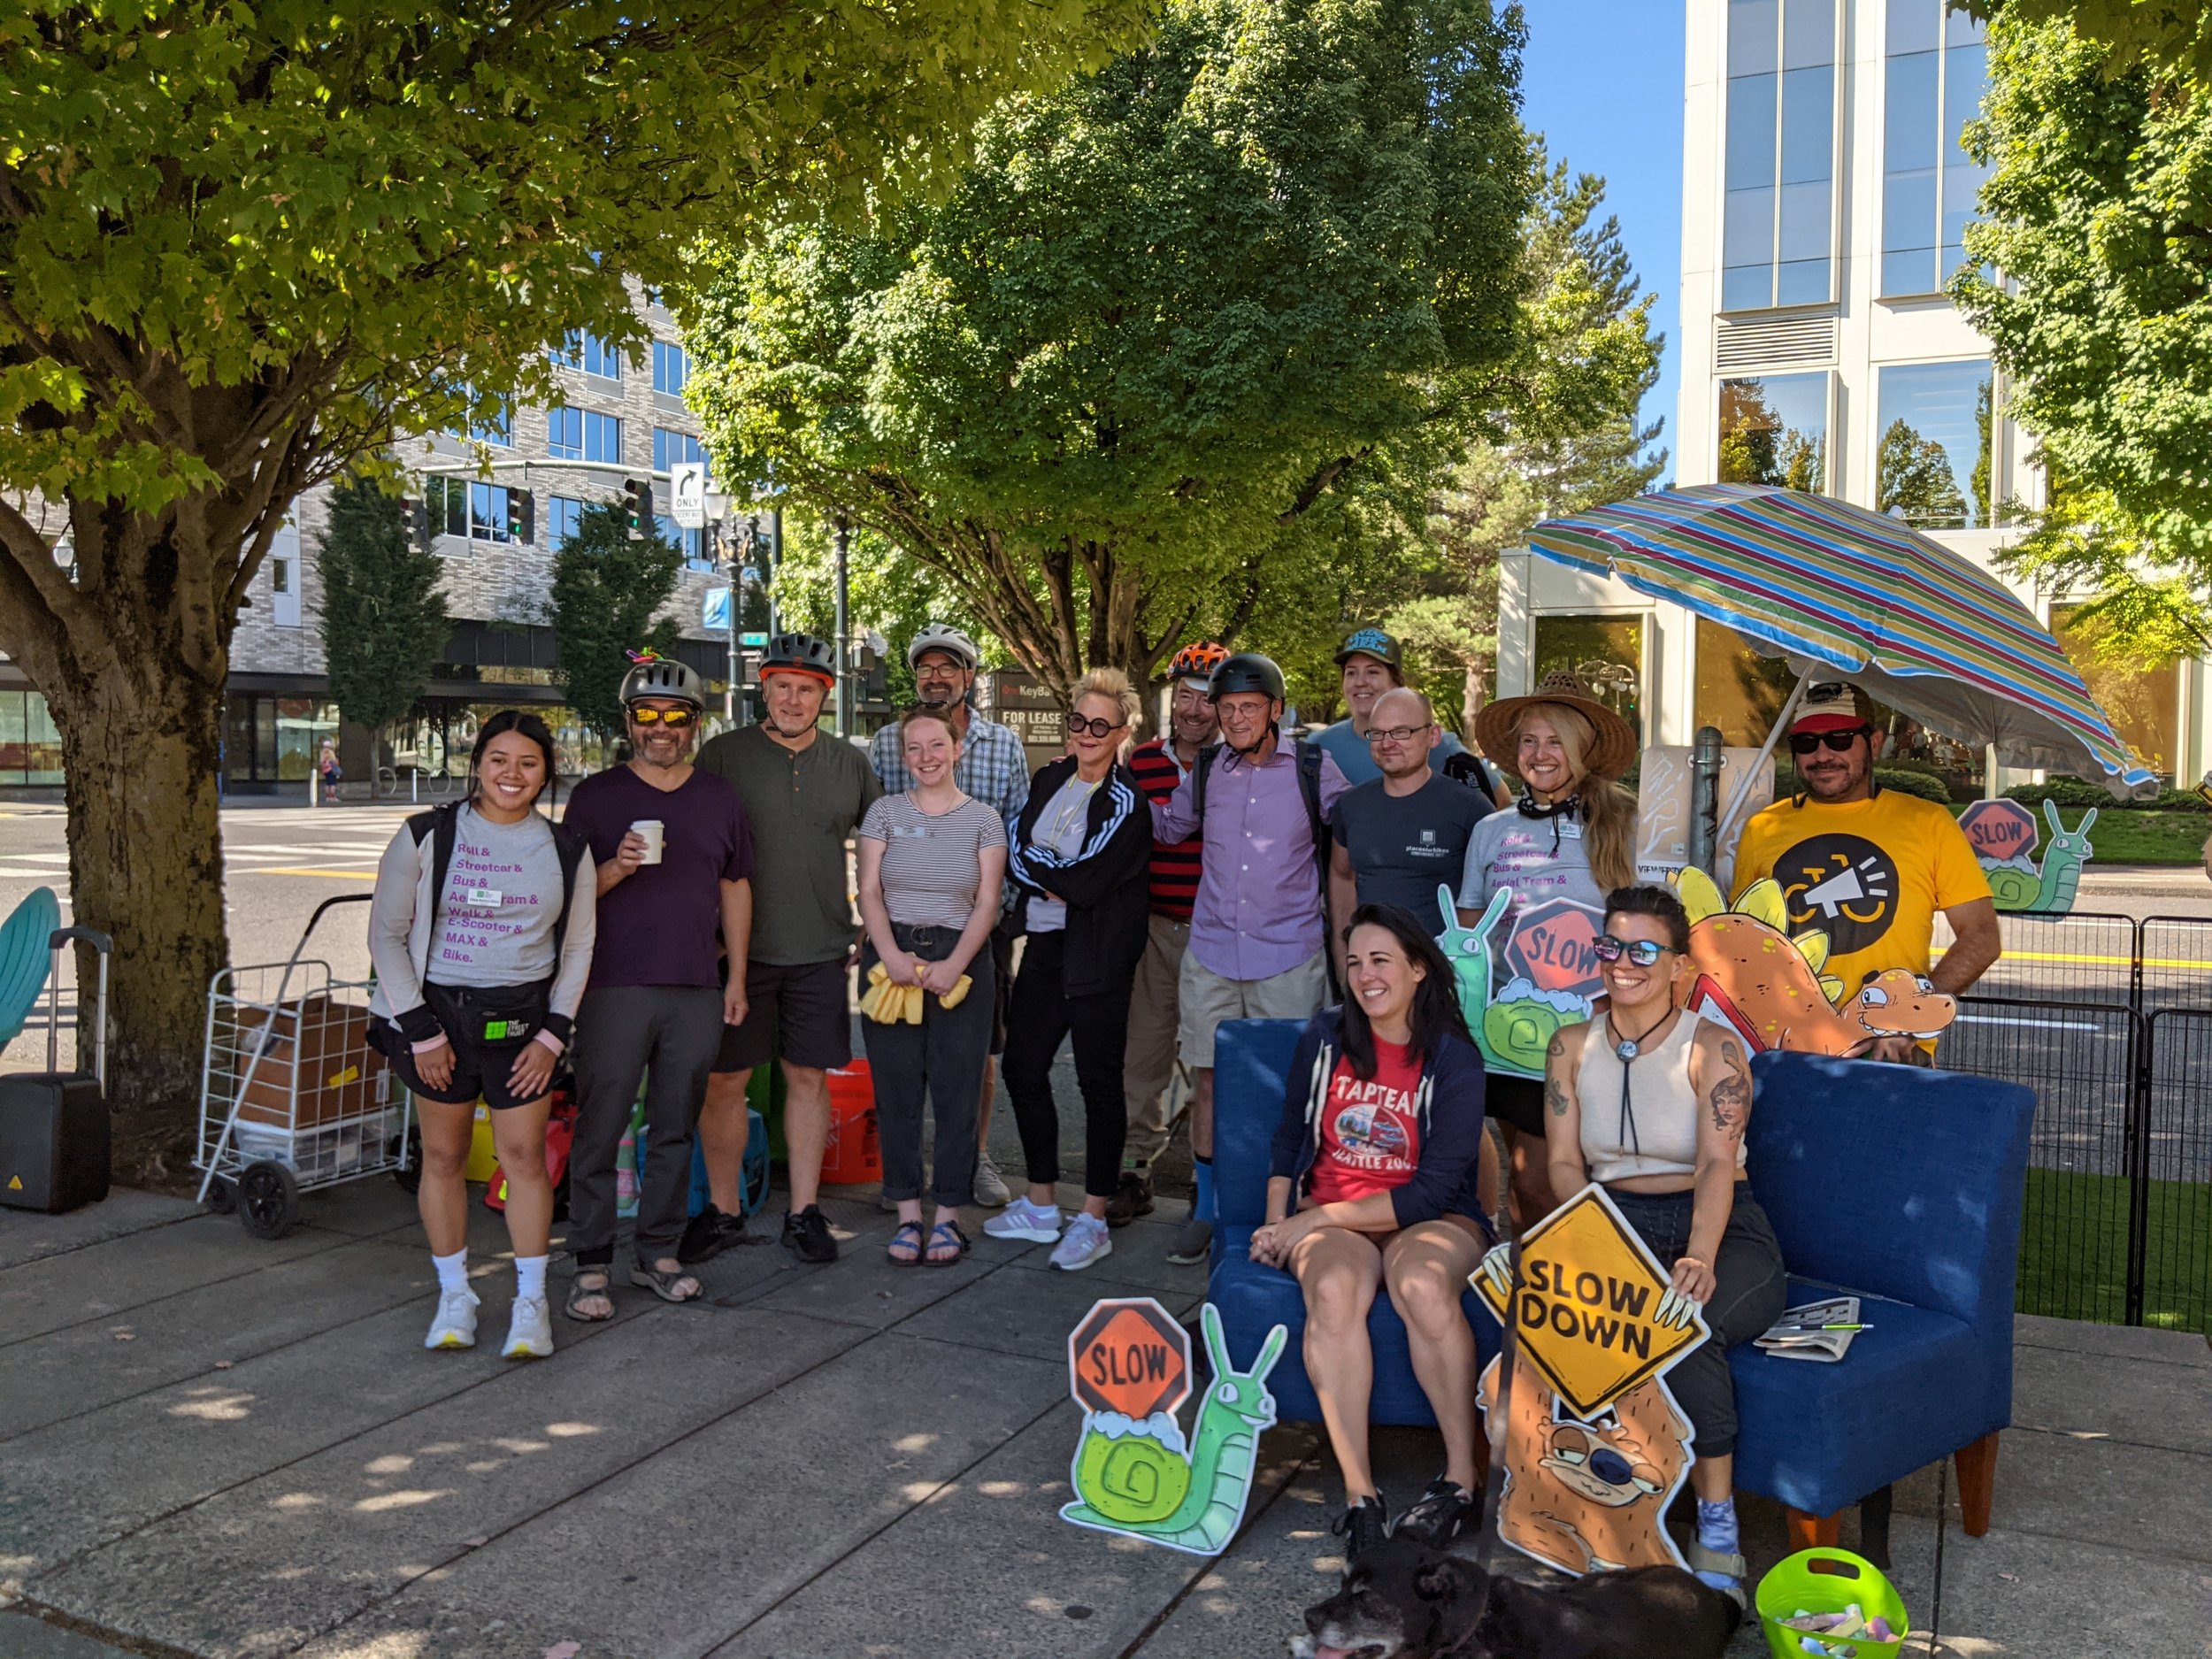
{"x": 651, "y": 830}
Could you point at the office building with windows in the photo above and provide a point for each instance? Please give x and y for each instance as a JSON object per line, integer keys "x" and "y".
{"x": 1824, "y": 196}
{"x": 496, "y": 527}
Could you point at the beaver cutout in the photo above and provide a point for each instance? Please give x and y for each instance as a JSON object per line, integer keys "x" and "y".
{"x": 1589, "y": 1497}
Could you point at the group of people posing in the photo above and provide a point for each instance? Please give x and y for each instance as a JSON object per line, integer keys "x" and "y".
{"x": 686, "y": 920}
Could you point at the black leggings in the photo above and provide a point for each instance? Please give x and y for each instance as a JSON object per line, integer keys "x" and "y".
{"x": 1040, "y": 1015}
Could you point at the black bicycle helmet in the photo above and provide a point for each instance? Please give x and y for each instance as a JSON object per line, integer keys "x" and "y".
{"x": 662, "y": 677}
{"x": 800, "y": 653}
{"x": 1247, "y": 671}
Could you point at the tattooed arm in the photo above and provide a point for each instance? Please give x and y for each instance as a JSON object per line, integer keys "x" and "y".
{"x": 1720, "y": 1067}
{"x": 1562, "y": 1113}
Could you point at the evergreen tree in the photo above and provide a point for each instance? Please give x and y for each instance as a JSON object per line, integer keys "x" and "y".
{"x": 384, "y": 618}
{"x": 608, "y": 593}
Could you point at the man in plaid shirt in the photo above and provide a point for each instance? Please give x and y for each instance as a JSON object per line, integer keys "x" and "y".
{"x": 995, "y": 769}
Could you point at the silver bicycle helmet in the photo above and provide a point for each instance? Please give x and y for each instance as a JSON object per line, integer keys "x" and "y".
{"x": 939, "y": 637}
{"x": 800, "y": 653}
{"x": 662, "y": 677}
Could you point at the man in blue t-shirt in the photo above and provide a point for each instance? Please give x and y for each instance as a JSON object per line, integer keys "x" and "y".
{"x": 1399, "y": 837}
{"x": 1372, "y": 662}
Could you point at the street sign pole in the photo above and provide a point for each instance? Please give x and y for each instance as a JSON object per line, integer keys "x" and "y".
{"x": 844, "y": 630}
{"x": 768, "y": 560}
{"x": 741, "y": 711}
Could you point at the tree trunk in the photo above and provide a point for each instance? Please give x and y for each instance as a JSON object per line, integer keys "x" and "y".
{"x": 146, "y": 868}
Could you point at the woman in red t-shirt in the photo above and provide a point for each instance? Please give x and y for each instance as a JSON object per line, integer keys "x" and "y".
{"x": 1373, "y": 1183}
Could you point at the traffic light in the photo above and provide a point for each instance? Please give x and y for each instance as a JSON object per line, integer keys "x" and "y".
{"x": 637, "y": 496}
{"x": 526, "y": 516}
{"x": 415, "y": 513}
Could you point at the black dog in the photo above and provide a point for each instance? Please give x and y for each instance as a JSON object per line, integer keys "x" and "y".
{"x": 1406, "y": 1601}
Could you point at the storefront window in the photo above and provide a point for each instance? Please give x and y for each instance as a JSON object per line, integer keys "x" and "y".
{"x": 1607, "y": 652}
{"x": 2142, "y": 701}
{"x": 1932, "y": 461}
{"x": 1774, "y": 430}
{"x": 30, "y": 747}
{"x": 1737, "y": 690}
{"x": 301, "y": 726}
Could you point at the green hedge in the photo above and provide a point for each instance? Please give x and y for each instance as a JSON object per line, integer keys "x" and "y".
{"x": 1905, "y": 780}
{"x": 2074, "y": 792}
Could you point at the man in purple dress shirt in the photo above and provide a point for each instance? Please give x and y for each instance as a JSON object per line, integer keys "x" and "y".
{"x": 1258, "y": 933}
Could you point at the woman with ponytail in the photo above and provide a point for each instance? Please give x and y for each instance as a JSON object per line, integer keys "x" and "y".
{"x": 1572, "y": 835}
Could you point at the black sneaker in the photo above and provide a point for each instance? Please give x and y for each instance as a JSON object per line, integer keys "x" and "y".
{"x": 1438, "y": 1514}
{"x": 1362, "y": 1526}
{"x": 1132, "y": 1198}
{"x": 708, "y": 1234}
{"x": 806, "y": 1235}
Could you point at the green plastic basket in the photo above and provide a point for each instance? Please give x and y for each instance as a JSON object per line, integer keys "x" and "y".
{"x": 1828, "y": 1581}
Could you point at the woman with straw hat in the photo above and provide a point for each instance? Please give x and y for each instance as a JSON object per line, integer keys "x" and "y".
{"x": 1573, "y": 836}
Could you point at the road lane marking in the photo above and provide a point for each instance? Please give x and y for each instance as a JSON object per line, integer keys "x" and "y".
{"x": 350, "y": 875}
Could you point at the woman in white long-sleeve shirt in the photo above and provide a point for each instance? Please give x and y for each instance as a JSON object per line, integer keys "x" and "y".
{"x": 481, "y": 934}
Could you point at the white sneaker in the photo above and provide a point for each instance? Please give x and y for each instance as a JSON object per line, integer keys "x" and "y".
{"x": 530, "y": 1330}
{"x": 1038, "y": 1224}
{"x": 455, "y": 1323}
{"x": 1087, "y": 1241}
{"x": 991, "y": 1190}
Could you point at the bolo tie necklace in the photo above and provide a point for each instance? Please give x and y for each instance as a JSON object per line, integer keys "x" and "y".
{"x": 1625, "y": 1051}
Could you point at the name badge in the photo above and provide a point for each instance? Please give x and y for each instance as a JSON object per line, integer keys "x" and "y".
{"x": 485, "y": 898}
{"x": 911, "y": 832}
{"x": 1569, "y": 828}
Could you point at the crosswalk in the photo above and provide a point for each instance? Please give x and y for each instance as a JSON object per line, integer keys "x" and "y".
{"x": 331, "y": 842}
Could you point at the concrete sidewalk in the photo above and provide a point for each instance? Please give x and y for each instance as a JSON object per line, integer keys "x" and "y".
{"x": 215, "y": 1446}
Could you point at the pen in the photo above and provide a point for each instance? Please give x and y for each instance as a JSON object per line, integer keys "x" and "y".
{"x": 1802, "y": 1329}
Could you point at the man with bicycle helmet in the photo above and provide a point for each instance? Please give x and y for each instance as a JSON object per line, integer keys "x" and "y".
{"x": 1258, "y": 946}
{"x": 994, "y": 769}
{"x": 1150, "y": 1068}
{"x": 674, "y": 855}
{"x": 803, "y": 793}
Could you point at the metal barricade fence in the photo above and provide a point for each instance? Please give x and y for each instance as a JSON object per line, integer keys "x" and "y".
{"x": 2078, "y": 957}
{"x": 2171, "y": 1224}
{"x": 2079, "y": 1255}
{"x": 2174, "y": 962}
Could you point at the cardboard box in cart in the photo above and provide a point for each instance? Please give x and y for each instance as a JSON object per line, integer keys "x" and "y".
{"x": 318, "y": 1061}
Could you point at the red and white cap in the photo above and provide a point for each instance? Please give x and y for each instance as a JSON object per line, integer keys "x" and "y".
{"x": 1828, "y": 706}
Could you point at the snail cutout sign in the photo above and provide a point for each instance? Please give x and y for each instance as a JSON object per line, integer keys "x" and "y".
{"x": 1595, "y": 1448}
{"x": 2003, "y": 835}
{"x": 1135, "y": 1472}
{"x": 1520, "y": 982}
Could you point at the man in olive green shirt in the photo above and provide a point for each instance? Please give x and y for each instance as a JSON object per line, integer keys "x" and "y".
{"x": 804, "y": 791}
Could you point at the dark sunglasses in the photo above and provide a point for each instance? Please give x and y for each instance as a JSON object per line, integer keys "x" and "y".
{"x": 1642, "y": 952}
{"x": 1806, "y": 742}
{"x": 674, "y": 719}
{"x": 1082, "y": 727}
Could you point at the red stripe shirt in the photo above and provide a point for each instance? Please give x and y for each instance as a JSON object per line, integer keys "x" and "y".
{"x": 1175, "y": 864}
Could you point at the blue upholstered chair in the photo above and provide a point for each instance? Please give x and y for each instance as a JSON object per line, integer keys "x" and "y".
{"x": 1251, "y": 1059}
{"x": 1900, "y": 1185}
{"x": 1903, "y": 1185}
{"x": 25, "y": 956}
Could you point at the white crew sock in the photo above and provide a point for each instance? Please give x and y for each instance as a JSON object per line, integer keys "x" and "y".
{"x": 530, "y": 1276}
{"x": 453, "y": 1270}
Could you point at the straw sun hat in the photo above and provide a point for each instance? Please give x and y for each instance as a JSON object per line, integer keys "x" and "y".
{"x": 1613, "y": 748}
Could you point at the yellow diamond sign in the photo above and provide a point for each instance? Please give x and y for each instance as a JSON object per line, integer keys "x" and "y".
{"x": 1585, "y": 1310}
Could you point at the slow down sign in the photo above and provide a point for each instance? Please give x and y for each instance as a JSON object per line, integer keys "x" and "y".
{"x": 1584, "y": 1310}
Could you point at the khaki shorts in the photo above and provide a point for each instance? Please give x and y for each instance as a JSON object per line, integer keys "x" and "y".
{"x": 1207, "y": 999}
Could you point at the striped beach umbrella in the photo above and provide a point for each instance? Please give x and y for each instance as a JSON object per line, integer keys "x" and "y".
{"x": 1833, "y": 587}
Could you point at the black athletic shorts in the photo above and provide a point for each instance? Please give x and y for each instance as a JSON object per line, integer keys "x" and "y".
{"x": 488, "y": 1029}
{"x": 1001, "y": 985}
{"x": 1518, "y": 1101}
{"x": 798, "y": 1013}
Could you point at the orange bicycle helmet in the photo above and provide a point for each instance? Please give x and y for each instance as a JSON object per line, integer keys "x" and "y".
{"x": 1198, "y": 662}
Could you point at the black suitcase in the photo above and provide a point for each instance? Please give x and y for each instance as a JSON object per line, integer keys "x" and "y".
{"x": 54, "y": 1136}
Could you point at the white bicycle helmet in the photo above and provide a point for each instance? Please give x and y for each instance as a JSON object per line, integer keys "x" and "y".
{"x": 662, "y": 677}
{"x": 939, "y": 637}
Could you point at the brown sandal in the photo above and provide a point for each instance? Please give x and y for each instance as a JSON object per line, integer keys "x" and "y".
{"x": 579, "y": 1292}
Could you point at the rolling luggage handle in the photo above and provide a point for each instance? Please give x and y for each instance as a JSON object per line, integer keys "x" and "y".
{"x": 104, "y": 947}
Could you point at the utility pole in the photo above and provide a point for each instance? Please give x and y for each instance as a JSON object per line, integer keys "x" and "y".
{"x": 844, "y": 630}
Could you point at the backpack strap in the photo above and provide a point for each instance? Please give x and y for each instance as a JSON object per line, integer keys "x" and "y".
{"x": 1310, "y": 757}
{"x": 1200, "y": 768}
{"x": 443, "y": 825}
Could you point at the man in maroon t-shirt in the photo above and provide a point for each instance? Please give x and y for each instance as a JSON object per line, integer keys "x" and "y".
{"x": 654, "y": 1008}
{"x": 1148, "y": 1064}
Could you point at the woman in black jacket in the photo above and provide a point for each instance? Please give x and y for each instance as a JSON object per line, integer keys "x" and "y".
{"x": 1080, "y": 859}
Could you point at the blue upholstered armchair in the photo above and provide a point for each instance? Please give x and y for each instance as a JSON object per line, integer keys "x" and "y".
{"x": 1900, "y": 1185}
{"x": 1251, "y": 1059}
{"x": 1903, "y": 1184}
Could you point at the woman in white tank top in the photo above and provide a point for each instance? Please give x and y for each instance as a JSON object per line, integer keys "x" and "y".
{"x": 1651, "y": 1101}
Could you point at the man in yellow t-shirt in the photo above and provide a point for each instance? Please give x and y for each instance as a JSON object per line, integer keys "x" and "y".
{"x": 1869, "y": 867}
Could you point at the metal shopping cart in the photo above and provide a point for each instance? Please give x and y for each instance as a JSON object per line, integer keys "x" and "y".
{"x": 293, "y": 1095}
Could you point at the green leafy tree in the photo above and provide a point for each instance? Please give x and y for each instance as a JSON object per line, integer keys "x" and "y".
{"x": 608, "y": 593}
{"x": 1913, "y": 473}
{"x": 384, "y": 618}
{"x": 2163, "y": 36}
{"x": 1173, "y": 317}
{"x": 240, "y": 246}
{"x": 2098, "y": 213}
